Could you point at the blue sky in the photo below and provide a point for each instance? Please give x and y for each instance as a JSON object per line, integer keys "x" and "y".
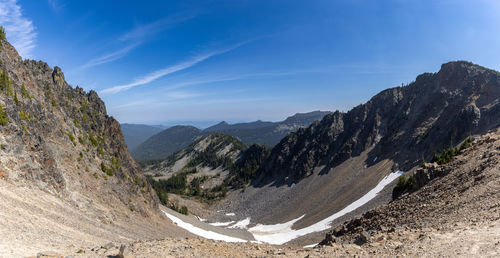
{"x": 169, "y": 61}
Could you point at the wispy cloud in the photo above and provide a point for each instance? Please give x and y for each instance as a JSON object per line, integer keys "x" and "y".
{"x": 137, "y": 36}
{"x": 109, "y": 57}
{"x": 142, "y": 31}
{"x": 20, "y": 30}
{"x": 56, "y": 5}
{"x": 168, "y": 70}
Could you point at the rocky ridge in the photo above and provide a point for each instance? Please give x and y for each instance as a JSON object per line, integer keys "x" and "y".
{"x": 403, "y": 124}
{"x": 59, "y": 139}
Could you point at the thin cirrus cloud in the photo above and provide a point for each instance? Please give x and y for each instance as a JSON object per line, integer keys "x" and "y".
{"x": 143, "y": 31}
{"x": 168, "y": 70}
{"x": 110, "y": 57}
{"x": 137, "y": 37}
{"x": 20, "y": 30}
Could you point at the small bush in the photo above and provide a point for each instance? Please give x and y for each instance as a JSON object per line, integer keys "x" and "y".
{"x": 92, "y": 140}
{"x": 106, "y": 170}
{"x": 184, "y": 210}
{"x": 72, "y": 138}
{"x": 404, "y": 185}
{"x": 2, "y": 33}
{"x": 447, "y": 155}
{"x": 24, "y": 92}
{"x": 3, "y": 116}
{"x": 16, "y": 100}
{"x": 25, "y": 129}
{"x": 23, "y": 116}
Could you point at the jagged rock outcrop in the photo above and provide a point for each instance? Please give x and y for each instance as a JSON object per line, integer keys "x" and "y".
{"x": 61, "y": 140}
{"x": 402, "y": 124}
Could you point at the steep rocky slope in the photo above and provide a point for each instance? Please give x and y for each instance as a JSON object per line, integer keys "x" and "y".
{"x": 464, "y": 193}
{"x": 58, "y": 141}
{"x": 403, "y": 124}
{"x": 319, "y": 170}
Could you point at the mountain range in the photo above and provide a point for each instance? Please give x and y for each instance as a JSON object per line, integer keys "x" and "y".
{"x": 135, "y": 134}
{"x": 317, "y": 170}
{"x": 166, "y": 142}
{"x": 68, "y": 183}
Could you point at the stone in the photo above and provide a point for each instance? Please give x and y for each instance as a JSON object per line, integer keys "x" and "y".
{"x": 123, "y": 251}
{"x": 49, "y": 254}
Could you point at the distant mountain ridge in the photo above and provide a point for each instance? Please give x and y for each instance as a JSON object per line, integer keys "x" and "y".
{"x": 165, "y": 143}
{"x": 136, "y": 134}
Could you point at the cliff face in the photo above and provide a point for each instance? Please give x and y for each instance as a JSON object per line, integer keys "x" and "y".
{"x": 402, "y": 124}
{"x": 61, "y": 140}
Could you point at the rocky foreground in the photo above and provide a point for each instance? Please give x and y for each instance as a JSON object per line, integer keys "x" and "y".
{"x": 457, "y": 213}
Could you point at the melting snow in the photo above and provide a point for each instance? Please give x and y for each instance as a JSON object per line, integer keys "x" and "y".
{"x": 281, "y": 233}
{"x": 221, "y": 224}
{"x": 241, "y": 224}
{"x": 202, "y": 232}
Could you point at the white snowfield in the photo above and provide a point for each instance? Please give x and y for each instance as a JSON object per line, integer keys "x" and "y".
{"x": 202, "y": 232}
{"x": 243, "y": 224}
{"x": 281, "y": 233}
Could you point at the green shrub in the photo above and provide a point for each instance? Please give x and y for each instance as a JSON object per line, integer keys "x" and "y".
{"x": 2, "y": 33}
{"x": 447, "y": 155}
{"x": 24, "y": 92}
{"x": 72, "y": 138}
{"x": 3, "y": 116}
{"x": 92, "y": 140}
{"x": 25, "y": 129}
{"x": 404, "y": 185}
{"x": 16, "y": 100}
{"x": 184, "y": 210}
{"x": 6, "y": 83}
{"x": 106, "y": 170}
{"x": 163, "y": 196}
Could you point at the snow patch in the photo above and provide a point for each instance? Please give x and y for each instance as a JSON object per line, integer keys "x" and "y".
{"x": 221, "y": 224}
{"x": 281, "y": 233}
{"x": 202, "y": 232}
{"x": 243, "y": 224}
{"x": 310, "y": 246}
{"x": 230, "y": 214}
